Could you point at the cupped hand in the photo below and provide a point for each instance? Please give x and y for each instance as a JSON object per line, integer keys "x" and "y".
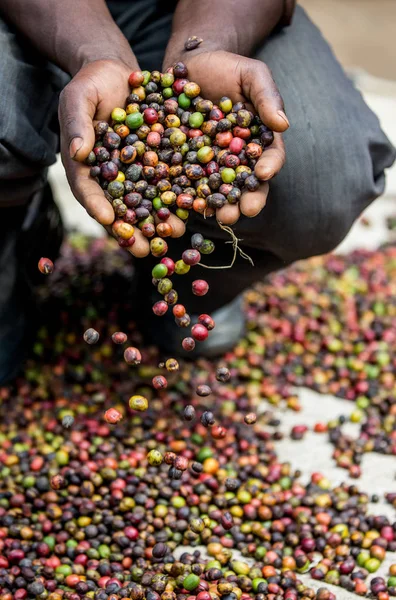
{"x": 221, "y": 73}
{"x": 92, "y": 94}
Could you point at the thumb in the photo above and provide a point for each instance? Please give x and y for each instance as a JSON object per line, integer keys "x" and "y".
{"x": 261, "y": 89}
{"x": 77, "y": 107}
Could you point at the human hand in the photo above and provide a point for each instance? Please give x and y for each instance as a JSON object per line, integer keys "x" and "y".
{"x": 221, "y": 73}
{"x": 96, "y": 89}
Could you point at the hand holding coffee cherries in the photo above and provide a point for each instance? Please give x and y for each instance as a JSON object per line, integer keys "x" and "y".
{"x": 249, "y": 81}
{"x": 91, "y": 96}
{"x": 170, "y": 150}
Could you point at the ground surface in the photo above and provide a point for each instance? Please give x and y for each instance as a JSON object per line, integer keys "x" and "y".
{"x": 361, "y": 31}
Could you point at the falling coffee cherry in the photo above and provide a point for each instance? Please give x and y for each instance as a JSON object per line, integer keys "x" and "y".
{"x": 45, "y": 266}
{"x": 91, "y": 336}
{"x": 132, "y": 356}
{"x": 119, "y": 337}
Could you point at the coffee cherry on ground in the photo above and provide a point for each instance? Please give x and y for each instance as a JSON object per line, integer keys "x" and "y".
{"x": 175, "y": 474}
{"x": 112, "y": 415}
{"x": 188, "y": 344}
{"x": 199, "y": 332}
{"x": 91, "y": 336}
{"x": 45, "y": 266}
{"x": 200, "y": 287}
{"x": 181, "y": 462}
{"x": 155, "y": 458}
{"x": 119, "y": 337}
{"x": 132, "y": 356}
{"x": 232, "y": 484}
{"x": 298, "y": 432}
{"x": 227, "y": 521}
{"x": 196, "y": 524}
{"x": 250, "y": 418}
{"x": 159, "y": 550}
{"x": 169, "y": 458}
{"x": 58, "y": 482}
{"x": 67, "y": 421}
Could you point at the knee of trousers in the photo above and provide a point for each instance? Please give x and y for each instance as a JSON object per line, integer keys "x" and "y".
{"x": 325, "y": 186}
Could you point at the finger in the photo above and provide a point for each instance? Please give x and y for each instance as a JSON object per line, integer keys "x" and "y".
{"x": 88, "y": 192}
{"x": 77, "y": 107}
{"x": 272, "y": 159}
{"x": 178, "y": 226}
{"x": 262, "y": 90}
{"x": 141, "y": 247}
{"x": 252, "y": 203}
{"x": 228, "y": 214}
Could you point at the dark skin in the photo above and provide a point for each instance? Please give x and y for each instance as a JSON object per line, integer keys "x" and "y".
{"x": 100, "y": 67}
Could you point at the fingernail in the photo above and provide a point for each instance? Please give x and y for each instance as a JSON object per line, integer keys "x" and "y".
{"x": 266, "y": 174}
{"x": 75, "y": 146}
{"x": 283, "y": 116}
{"x": 257, "y": 213}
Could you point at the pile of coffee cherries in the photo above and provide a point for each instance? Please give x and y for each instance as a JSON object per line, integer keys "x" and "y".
{"x": 184, "y": 497}
{"x": 172, "y": 150}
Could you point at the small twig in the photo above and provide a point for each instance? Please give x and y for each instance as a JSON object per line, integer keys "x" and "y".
{"x": 234, "y": 241}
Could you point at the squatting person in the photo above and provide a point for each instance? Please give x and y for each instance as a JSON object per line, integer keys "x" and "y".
{"x": 75, "y": 56}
